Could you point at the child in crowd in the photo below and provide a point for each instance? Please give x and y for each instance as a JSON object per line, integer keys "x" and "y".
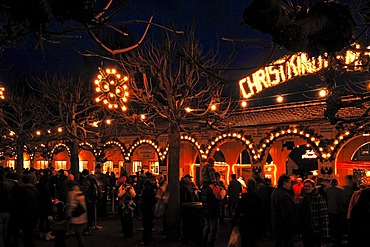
{"x": 60, "y": 223}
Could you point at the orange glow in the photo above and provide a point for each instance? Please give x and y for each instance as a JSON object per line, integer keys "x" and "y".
{"x": 217, "y": 165}
{"x": 112, "y": 89}
{"x": 270, "y": 172}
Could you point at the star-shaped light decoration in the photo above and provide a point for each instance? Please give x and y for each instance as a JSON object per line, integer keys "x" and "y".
{"x": 112, "y": 89}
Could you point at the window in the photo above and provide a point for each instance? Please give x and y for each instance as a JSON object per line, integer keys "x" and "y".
{"x": 107, "y": 166}
{"x": 42, "y": 164}
{"x": 60, "y": 164}
{"x": 154, "y": 167}
{"x": 136, "y": 166}
{"x": 83, "y": 165}
{"x": 26, "y": 164}
{"x": 10, "y": 163}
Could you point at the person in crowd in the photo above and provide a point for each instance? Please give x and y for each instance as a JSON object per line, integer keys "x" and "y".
{"x": 45, "y": 205}
{"x": 91, "y": 191}
{"x": 5, "y": 205}
{"x": 112, "y": 179}
{"x": 147, "y": 208}
{"x": 322, "y": 186}
{"x": 14, "y": 218}
{"x": 32, "y": 174}
{"x": 29, "y": 203}
{"x": 138, "y": 187}
{"x": 59, "y": 220}
{"x": 60, "y": 186}
{"x": 187, "y": 189}
{"x": 336, "y": 210}
{"x": 208, "y": 172}
{"x": 359, "y": 229}
{"x": 265, "y": 192}
{"x": 212, "y": 206}
{"x": 284, "y": 213}
{"x": 233, "y": 191}
{"x": 354, "y": 199}
{"x": 103, "y": 183}
{"x": 313, "y": 215}
{"x": 162, "y": 197}
{"x": 224, "y": 200}
{"x": 126, "y": 208}
{"x": 76, "y": 199}
{"x": 248, "y": 215}
{"x": 297, "y": 188}
{"x": 349, "y": 188}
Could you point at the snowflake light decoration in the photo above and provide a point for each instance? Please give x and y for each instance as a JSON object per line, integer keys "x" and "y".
{"x": 112, "y": 89}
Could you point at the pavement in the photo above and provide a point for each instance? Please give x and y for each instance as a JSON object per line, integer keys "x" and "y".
{"x": 110, "y": 235}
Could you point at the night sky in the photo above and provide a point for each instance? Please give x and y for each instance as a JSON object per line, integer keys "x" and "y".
{"x": 214, "y": 19}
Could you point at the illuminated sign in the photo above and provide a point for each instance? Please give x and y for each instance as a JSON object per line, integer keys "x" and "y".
{"x": 310, "y": 154}
{"x": 298, "y": 64}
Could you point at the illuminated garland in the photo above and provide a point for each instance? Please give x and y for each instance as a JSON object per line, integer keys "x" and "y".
{"x": 161, "y": 155}
{"x": 60, "y": 145}
{"x": 236, "y": 136}
{"x": 118, "y": 144}
{"x": 89, "y": 146}
{"x": 303, "y": 132}
{"x": 195, "y": 143}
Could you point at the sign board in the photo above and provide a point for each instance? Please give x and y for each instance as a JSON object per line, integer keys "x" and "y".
{"x": 296, "y": 65}
{"x": 146, "y": 154}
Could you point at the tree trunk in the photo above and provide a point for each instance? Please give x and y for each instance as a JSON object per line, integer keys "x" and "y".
{"x": 173, "y": 213}
{"x": 74, "y": 159}
{"x": 19, "y": 153}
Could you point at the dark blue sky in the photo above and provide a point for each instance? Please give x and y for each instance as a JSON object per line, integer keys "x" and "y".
{"x": 213, "y": 18}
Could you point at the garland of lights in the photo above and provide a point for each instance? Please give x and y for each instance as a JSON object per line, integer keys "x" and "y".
{"x": 162, "y": 155}
{"x": 112, "y": 89}
{"x": 237, "y": 136}
{"x": 324, "y": 147}
{"x": 303, "y": 132}
{"x": 196, "y": 144}
{"x": 60, "y": 145}
{"x": 118, "y": 144}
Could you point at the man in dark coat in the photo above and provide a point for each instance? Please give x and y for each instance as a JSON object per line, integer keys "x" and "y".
{"x": 187, "y": 189}
{"x": 234, "y": 190}
{"x": 91, "y": 191}
{"x": 248, "y": 215}
{"x": 29, "y": 210}
{"x": 147, "y": 208}
{"x": 284, "y": 213}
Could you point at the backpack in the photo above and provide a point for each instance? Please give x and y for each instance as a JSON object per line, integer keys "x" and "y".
{"x": 93, "y": 192}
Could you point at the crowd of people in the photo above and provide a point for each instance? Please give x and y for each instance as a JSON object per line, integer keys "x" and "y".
{"x": 315, "y": 211}
{"x": 312, "y": 210}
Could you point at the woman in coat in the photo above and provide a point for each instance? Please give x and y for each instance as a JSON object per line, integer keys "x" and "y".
{"x": 314, "y": 219}
{"x": 77, "y": 220}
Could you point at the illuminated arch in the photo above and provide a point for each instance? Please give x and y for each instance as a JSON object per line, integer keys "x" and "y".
{"x": 88, "y": 146}
{"x": 136, "y": 144}
{"x": 341, "y": 139}
{"x": 233, "y": 136}
{"x": 304, "y": 133}
{"x": 59, "y": 147}
{"x": 191, "y": 140}
{"x": 109, "y": 143}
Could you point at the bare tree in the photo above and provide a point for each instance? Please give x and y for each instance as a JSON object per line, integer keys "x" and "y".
{"x": 68, "y": 104}
{"x": 19, "y": 117}
{"x": 172, "y": 91}
{"x": 51, "y": 21}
